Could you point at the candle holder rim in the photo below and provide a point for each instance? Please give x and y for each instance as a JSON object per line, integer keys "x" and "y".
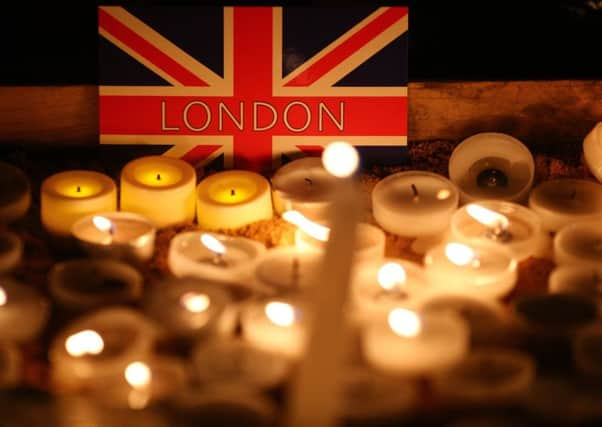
{"x": 188, "y": 173}
{"x": 107, "y": 187}
{"x": 113, "y": 216}
{"x": 202, "y": 189}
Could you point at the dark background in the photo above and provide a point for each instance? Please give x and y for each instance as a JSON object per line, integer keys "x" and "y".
{"x": 56, "y": 43}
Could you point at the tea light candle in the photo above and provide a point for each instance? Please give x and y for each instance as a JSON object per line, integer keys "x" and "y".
{"x": 509, "y": 224}
{"x": 187, "y": 307}
{"x": 579, "y": 244}
{"x": 563, "y": 201}
{"x": 99, "y": 344}
{"x": 15, "y": 193}
{"x": 577, "y": 279}
{"x": 232, "y": 199}
{"x": 23, "y": 311}
{"x": 11, "y": 251}
{"x": 11, "y": 364}
{"x": 160, "y": 188}
{"x": 68, "y": 196}
{"x": 277, "y": 326}
{"x": 378, "y": 286}
{"x": 406, "y": 343}
{"x": 123, "y": 235}
{"x": 233, "y": 361}
{"x": 286, "y": 269}
{"x": 85, "y": 284}
{"x": 592, "y": 151}
{"x": 481, "y": 269}
{"x": 488, "y": 375}
{"x": 303, "y": 185}
{"x": 214, "y": 256}
{"x": 492, "y": 166}
{"x": 587, "y": 348}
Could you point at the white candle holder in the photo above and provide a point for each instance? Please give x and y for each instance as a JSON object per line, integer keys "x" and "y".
{"x": 23, "y": 311}
{"x": 85, "y": 284}
{"x": 587, "y": 348}
{"x": 122, "y": 235}
{"x": 15, "y": 193}
{"x": 286, "y": 269}
{"x": 11, "y": 365}
{"x": 592, "y": 151}
{"x": 579, "y": 244}
{"x": 577, "y": 279}
{"x": 492, "y": 165}
{"x": 11, "y": 251}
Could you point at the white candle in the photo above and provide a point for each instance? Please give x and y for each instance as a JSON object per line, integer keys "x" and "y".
{"x": 577, "y": 279}
{"x": 587, "y": 348}
{"x": 15, "y": 193}
{"x": 11, "y": 365}
{"x": 501, "y": 222}
{"x": 23, "y": 311}
{"x": 116, "y": 234}
{"x": 213, "y": 256}
{"x": 160, "y": 188}
{"x": 232, "y": 199}
{"x": 592, "y": 151}
{"x": 492, "y": 166}
{"x": 485, "y": 270}
{"x": 305, "y": 186}
{"x": 11, "y": 251}
{"x": 579, "y": 244}
{"x": 406, "y": 343}
{"x": 286, "y": 269}
{"x": 85, "y": 284}
{"x": 563, "y": 201}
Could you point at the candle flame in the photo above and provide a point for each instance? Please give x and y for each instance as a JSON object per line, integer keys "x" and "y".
{"x": 195, "y": 302}
{"x": 340, "y": 159}
{"x": 460, "y": 254}
{"x": 309, "y": 227}
{"x": 280, "y": 313}
{"x": 103, "y": 223}
{"x": 2, "y": 296}
{"x": 138, "y": 375}
{"x": 487, "y": 217}
{"x": 391, "y": 275}
{"x": 404, "y": 322}
{"x": 213, "y": 244}
{"x": 83, "y": 343}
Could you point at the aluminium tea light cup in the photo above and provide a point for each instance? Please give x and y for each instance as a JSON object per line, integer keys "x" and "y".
{"x": 411, "y": 344}
{"x": 506, "y": 223}
{"x": 562, "y": 202}
{"x": 11, "y": 364}
{"x": 69, "y": 196}
{"x": 123, "y": 235}
{"x": 84, "y": 284}
{"x": 232, "y": 199}
{"x": 492, "y": 165}
{"x": 286, "y": 269}
{"x": 11, "y": 251}
{"x": 592, "y": 151}
{"x": 23, "y": 311}
{"x": 214, "y": 256}
{"x": 479, "y": 269}
{"x": 15, "y": 193}
{"x": 587, "y": 349}
{"x": 159, "y": 188}
{"x": 577, "y": 279}
{"x": 579, "y": 244}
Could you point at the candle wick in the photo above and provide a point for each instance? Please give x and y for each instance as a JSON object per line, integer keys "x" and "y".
{"x": 232, "y": 192}
{"x": 498, "y": 233}
{"x": 295, "y": 272}
{"x": 158, "y": 177}
{"x": 78, "y": 189}
{"x": 415, "y": 192}
{"x": 573, "y": 194}
{"x": 309, "y": 181}
{"x": 218, "y": 259}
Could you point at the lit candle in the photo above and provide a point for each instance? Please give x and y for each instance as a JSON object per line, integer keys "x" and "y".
{"x": 85, "y": 284}
{"x": 69, "y": 196}
{"x": 406, "y": 343}
{"x": 501, "y": 222}
{"x": 563, "y": 201}
{"x": 122, "y": 235}
{"x": 277, "y": 326}
{"x": 592, "y": 151}
{"x": 577, "y": 279}
{"x": 486, "y": 270}
{"x": 492, "y": 166}
{"x": 11, "y": 366}
{"x": 160, "y": 188}
{"x": 232, "y": 199}
{"x": 587, "y": 348}
{"x": 286, "y": 269}
{"x": 11, "y": 251}
{"x": 305, "y": 186}
{"x": 15, "y": 193}
{"x": 579, "y": 244}
{"x": 23, "y": 311}
{"x": 213, "y": 256}
{"x": 188, "y": 307}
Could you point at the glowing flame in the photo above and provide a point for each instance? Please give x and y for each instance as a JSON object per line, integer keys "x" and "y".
{"x": 195, "y": 302}
{"x": 280, "y": 313}
{"x": 103, "y": 223}
{"x": 213, "y": 244}
{"x": 2, "y": 296}
{"x": 487, "y": 216}
{"x": 340, "y": 159}
{"x": 404, "y": 322}
{"x": 459, "y": 254}
{"x": 391, "y": 275}
{"x": 138, "y": 375}
{"x": 83, "y": 343}
{"x": 309, "y": 227}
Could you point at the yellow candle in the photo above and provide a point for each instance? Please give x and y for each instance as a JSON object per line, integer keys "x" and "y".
{"x": 232, "y": 199}
{"x": 69, "y": 196}
{"x": 160, "y": 188}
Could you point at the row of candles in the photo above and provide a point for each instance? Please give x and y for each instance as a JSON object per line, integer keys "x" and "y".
{"x": 471, "y": 257}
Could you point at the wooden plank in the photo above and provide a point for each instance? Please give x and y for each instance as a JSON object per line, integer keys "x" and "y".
{"x": 537, "y": 112}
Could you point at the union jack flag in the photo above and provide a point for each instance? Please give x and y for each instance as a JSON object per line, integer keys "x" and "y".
{"x": 261, "y": 99}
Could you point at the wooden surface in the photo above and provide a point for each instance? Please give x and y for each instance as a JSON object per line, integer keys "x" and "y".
{"x": 537, "y": 112}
